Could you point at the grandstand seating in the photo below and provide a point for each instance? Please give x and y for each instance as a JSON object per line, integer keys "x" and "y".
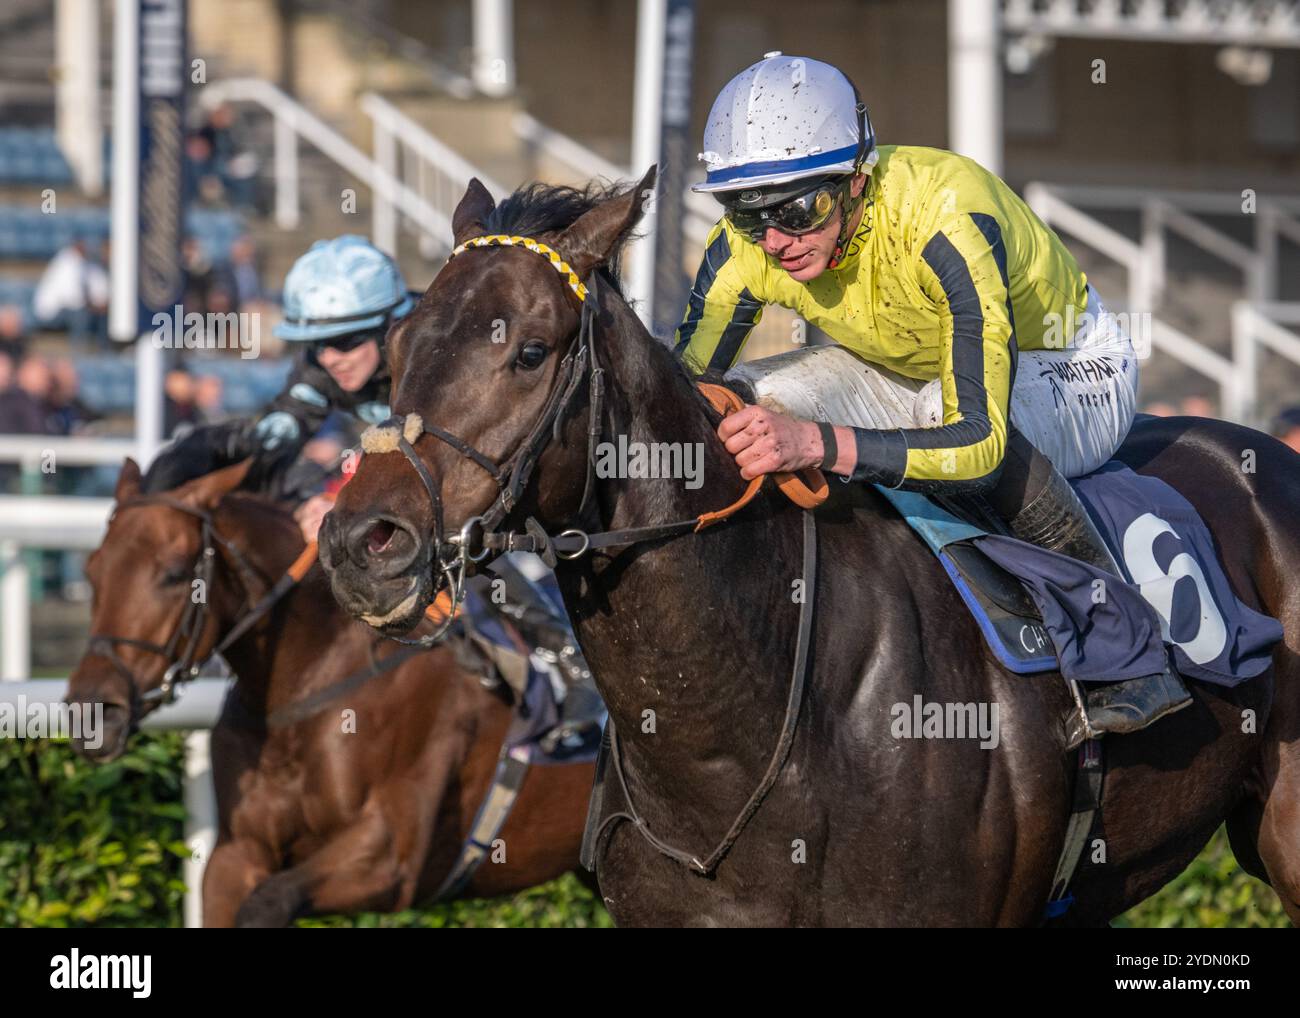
{"x": 29, "y": 155}
{"x": 29, "y": 234}
{"x": 108, "y": 382}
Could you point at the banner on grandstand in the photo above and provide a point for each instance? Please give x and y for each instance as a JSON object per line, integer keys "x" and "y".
{"x": 676, "y": 157}
{"x": 162, "y": 155}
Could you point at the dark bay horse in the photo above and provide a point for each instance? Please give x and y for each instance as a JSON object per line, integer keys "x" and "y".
{"x": 692, "y": 638}
{"x": 325, "y": 813}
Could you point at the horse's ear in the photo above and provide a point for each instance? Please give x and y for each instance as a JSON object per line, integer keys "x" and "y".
{"x": 596, "y": 235}
{"x": 206, "y": 491}
{"x": 128, "y": 481}
{"x": 472, "y": 212}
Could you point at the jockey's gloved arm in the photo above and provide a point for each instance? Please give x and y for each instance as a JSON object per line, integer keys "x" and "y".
{"x": 962, "y": 269}
{"x": 293, "y": 417}
{"x": 272, "y": 438}
{"x": 721, "y": 311}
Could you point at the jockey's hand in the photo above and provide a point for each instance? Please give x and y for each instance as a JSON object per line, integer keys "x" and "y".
{"x": 766, "y": 442}
{"x": 310, "y": 514}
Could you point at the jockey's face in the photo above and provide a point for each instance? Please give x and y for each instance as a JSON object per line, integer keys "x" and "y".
{"x": 350, "y": 369}
{"x": 807, "y": 255}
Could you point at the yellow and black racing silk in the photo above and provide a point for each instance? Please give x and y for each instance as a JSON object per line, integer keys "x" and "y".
{"x": 948, "y": 276}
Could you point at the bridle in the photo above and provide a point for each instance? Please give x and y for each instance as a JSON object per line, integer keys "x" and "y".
{"x": 186, "y": 664}
{"x": 482, "y": 536}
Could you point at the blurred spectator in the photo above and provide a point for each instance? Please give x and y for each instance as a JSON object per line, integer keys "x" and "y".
{"x": 1159, "y": 409}
{"x": 1199, "y": 406}
{"x": 24, "y": 401}
{"x": 69, "y": 414}
{"x": 13, "y": 329}
{"x": 180, "y": 411}
{"x": 208, "y": 394}
{"x": 246, "y": 276}
{"x": 197, "y": 267}
{"x": 237, "y": 165}
{"x": 1287, "y": 427}
{"x": 220, "y": 167}
{"x": 73, "y": 293}
{"x": 202, "y": 184}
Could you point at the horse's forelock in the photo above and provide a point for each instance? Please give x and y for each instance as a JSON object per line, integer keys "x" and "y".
{"x": 540, "y": 209}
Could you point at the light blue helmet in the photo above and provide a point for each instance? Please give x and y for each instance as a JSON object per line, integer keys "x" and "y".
{"x": 341, "y": 286}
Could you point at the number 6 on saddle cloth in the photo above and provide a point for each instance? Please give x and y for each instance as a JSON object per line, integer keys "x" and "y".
{"x": 1040, "y": 610}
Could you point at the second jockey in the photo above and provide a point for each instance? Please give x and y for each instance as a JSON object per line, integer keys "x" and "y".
{"x": 340, "y": 298}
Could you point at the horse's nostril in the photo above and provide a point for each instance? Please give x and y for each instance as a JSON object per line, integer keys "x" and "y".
{"x": 382, "y": 545}
{"x": 381, "y": 536}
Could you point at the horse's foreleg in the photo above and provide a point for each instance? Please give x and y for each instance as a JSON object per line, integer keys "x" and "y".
{"x": 233, "y": 870}
{"x": 356, "y": 870}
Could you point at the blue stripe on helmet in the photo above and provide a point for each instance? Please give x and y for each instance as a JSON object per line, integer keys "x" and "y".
{"x": 782, "y": 165}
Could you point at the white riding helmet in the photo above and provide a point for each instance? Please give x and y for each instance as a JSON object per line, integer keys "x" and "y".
{"x": 782, "y": 119}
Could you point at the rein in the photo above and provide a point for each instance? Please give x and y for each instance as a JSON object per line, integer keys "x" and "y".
{"x": 481, "y": 536}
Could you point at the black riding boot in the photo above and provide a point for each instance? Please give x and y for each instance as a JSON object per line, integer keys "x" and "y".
{"x": 1041, "y": 508}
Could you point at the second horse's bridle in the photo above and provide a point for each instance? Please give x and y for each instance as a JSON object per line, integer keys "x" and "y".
{"x": 186, "y": 665}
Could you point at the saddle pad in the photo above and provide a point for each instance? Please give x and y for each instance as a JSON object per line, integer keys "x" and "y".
{"x": 1176, "y": 594}
{"x": 1008, "y": 618}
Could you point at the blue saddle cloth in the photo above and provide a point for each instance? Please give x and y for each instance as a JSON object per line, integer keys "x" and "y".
{"x": 1175, "y": 593}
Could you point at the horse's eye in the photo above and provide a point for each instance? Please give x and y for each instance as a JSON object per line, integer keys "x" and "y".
{"x": 532, "y": 354}
{"x": 175, "y": 575}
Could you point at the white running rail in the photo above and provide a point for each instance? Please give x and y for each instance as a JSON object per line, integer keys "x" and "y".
{"x": 1256, "y": 324}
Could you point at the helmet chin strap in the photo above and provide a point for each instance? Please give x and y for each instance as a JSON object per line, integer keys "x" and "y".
{"x": 860, "y": 108}
{"x": 846, "y": 230}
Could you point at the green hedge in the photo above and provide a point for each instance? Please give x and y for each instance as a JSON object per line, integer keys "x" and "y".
{"x": 82, "y": 845}
{"x": 86, "y": 845}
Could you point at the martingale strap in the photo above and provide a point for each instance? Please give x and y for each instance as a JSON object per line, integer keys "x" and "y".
{"x": 493, "y": 812}
{"x": 707, "y": 863}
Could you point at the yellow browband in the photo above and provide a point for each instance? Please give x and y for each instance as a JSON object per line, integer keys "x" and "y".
{"x": 506, "y": 240}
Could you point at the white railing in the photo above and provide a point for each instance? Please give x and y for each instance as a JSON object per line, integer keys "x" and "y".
{"x": 1275, "y": 218}
{"x": 1146, "y": 264}
{"x": 1215, "y": 22}
{"x": 409, "y": 154}
{"x": 34, "y": 452}
{"x": 293, "y": 121}
{"x": 39, "y": 521}
{"x": 583, "y": 163}
{"x": 1256, "y": 324}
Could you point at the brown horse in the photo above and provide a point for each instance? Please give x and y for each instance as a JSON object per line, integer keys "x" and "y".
{"x": 363, "y": 804}
{"x": 692, "y": 637}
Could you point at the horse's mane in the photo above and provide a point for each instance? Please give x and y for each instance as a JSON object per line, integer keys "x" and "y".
{"x": 539, "y": 208}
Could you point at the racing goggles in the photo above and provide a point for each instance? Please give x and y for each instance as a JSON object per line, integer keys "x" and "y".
{"x": 800, "y": 214}
{"x": 348, "y": 342}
